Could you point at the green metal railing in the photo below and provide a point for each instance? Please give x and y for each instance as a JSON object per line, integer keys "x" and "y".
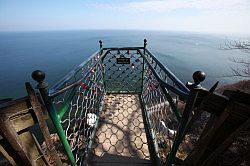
{"x": 75, "y": 102}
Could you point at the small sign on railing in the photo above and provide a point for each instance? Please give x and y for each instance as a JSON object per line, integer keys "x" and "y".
{"x": 123, "y": 60}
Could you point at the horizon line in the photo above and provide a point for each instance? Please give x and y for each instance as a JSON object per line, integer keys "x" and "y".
{"x": 152, "y": 30}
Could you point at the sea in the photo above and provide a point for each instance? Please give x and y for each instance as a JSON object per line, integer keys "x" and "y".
{"x": 58, "y": 52}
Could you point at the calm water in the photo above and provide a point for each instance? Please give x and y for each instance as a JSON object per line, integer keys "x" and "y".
{"x": 57, "y": 53}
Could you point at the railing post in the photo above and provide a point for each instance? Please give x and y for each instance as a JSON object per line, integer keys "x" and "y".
{"x": 198, "y": 77}
{"x": 39, "y": 76}
{"x": 143, "y": 62}
{"x": 100, "y": 42}
{"x": 145, "y": 44}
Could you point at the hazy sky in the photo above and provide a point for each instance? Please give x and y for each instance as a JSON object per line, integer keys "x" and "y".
{"x": 220, "y": 16}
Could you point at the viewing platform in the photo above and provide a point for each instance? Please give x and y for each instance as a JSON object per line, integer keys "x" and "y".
{"x": 122, "y": 106}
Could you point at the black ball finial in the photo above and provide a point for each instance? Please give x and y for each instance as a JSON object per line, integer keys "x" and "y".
{"x": 38, "y": 76}
{"x": 145, "y": 40}
{"x": 199, "y": 76}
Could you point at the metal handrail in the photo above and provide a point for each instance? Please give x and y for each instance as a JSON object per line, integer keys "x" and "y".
{"x": 169, "y": 73}
{"x": 122, "y": 48}
{"x": 53, "y": 91}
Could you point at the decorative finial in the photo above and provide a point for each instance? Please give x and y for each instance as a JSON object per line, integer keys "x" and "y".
{"x": 38, "y": 76}
{"x": 198, "y": 77}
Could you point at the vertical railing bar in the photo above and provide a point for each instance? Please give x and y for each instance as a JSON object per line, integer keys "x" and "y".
{"x": 39, "y": 76}
{"x": 101, "y": 50}
{"x": 60, "y": 131}
{"x": 103, "y": 74}
{"x": 153, "y": 147}
{"x": 142, "y": 80}
{"x": 185, "y": 117}
{"x": 144, "y": 51}
{"x": 144, "y": 46}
